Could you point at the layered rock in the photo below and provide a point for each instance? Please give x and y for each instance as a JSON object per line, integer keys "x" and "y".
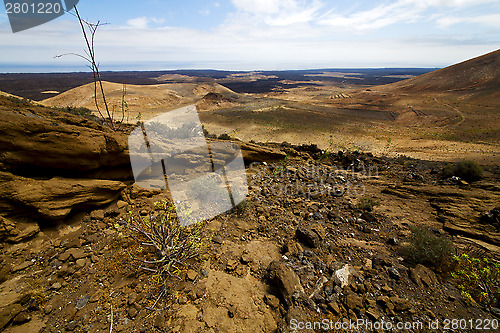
{"x": 55, "y": 198}
{"x": 40, "y": 141}
{"x": 49, "y": 160}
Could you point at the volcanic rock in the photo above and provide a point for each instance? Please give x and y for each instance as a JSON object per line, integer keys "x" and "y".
{"x": 287, "y": 280}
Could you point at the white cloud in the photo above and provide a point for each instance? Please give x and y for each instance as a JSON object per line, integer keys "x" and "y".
{"x": 408, "y": 11}
{"x": 277, "y": 34}
{"x": 375, "y": 18}
{"x": 264, "y": 7}
{"x": 492, "y": 20}
{"x": 277, "y": 12}
{"x": 138, "y": 23}
{"x": 157, "y": 20}
{"x": 143, "y": 22}
{"x": 448, "y": 3}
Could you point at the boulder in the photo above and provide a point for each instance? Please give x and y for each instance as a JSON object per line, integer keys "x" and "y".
{"x": 292, "y": 248}
{"x": 346, "y": 276}
{"x": 400, "y": 304}
{"x": 286, "y": 279}
{"x": 7, "y": 229}
{"x": 53, "y": 162}
{"x": 8, "y": 313}
{"x": 308, "y": 236}
{"x": 423, "y": 276}
{"x": 353, "y": 301}
{"x": 492, "y": 217}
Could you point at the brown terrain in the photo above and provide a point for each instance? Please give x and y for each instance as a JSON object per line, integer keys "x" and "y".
{"x": 435, "y": 116}
{"x": 323, "y": 234}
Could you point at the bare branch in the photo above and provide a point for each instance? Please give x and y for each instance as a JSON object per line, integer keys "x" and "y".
{"x": 111, "y": 325}
{"x": 90, "y": 58}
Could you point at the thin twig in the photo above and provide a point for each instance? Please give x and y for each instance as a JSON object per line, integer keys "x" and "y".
{"x": 95, "y": 67}
{"x": 111, "y": 325}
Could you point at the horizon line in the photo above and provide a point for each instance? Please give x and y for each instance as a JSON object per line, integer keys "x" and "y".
{"x": 47, "y": 70}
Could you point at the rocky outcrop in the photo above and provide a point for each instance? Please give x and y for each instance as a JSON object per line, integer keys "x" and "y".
{"x": 287, "y": 280}
{"x": 459, "y": 209}
{"x": 55, "y": 198}
{"x": 40, "y": 141}
{"x": 49, "y": 162}
{"x": 15, "y": 233}
{"x": 256, "y": 153}
{"x": 215, "y": 101}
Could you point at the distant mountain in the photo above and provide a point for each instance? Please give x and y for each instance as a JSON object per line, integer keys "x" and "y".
{"x": 474, "y": 75}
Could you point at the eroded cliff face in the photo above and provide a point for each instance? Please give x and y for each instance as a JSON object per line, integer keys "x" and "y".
{"x": 53, "y": 162}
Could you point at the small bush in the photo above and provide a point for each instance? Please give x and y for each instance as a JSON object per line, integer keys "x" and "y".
{"x": 81, "y": 112}
{"x": 167, "y": 246}
{"x": 467, "y": 170}
{"x": 367, "y": 204}
{"x": 479, "y": 280}
{"x": 17, "y": 101}
{"x": 426, "y": 248}
{"x": 224, "y": 136}
{"x": 325, "y": 155}
{"x": 36, "y": 295}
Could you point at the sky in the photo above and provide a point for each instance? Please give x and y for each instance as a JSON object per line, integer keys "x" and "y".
{"x": 258, "y": 35}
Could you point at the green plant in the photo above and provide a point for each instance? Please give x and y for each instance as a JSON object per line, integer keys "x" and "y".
{"x": 167, "y": 246}
{"x": 17, "y": 101}
{"x": 278, "y": 170}
{"x": 367, "y": 204}
{"x": 479, "y": 280}
{"x": 325, "y": 155}
{"x": 467, "y": 170}
{"x": 389, "y": 142}
{"x": 426, "y": 248}
{"x": 79, "y": 111}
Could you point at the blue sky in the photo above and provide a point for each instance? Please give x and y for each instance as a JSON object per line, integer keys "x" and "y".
{"x": 260, "y": 34}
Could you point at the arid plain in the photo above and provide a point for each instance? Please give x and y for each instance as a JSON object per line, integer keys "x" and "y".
{"x": 447, "y": 115}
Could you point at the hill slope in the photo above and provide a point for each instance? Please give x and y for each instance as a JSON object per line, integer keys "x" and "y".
{"x": 138, "y": 98}
{"x": 477, "y": 74}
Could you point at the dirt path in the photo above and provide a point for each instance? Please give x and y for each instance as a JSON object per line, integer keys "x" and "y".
{"x": 460, "y": 113}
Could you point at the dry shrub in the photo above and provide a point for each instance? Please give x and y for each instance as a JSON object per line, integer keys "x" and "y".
{"x": 426, "y": 248}
{"x": 167, "y": 245}
{"x": 467, "y": 170}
